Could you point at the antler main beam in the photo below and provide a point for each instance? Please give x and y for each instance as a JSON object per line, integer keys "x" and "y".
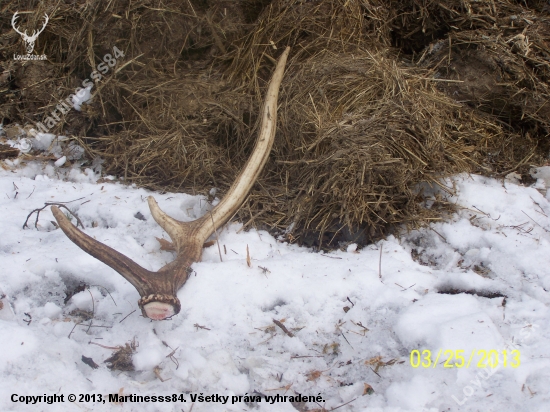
{"x": 158, "y": 290}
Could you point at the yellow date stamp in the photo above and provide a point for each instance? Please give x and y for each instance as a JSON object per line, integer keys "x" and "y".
{"x": 457, "y": 358}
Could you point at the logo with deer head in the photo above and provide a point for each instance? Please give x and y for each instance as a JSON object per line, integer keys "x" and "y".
{"x": 29, "y": 40}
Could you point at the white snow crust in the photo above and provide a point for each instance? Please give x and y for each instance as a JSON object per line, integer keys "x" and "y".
{"x": 352, "y": 324}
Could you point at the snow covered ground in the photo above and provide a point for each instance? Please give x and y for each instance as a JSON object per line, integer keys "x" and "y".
{"x": 353, "y": 330}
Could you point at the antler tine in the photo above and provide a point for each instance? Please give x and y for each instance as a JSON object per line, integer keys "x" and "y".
{"x": 14, "y": 21}
{"x": 238, "y": 192}
{"x": 158, "y": 290}
{"x": 176, "y": 230}
{"x": 129, "y": 269}
{"x": 46, "y": 20}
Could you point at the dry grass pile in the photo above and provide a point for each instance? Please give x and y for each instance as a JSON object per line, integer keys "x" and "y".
{"x": 378, "y": 97}
{"x": 364, "y": 140}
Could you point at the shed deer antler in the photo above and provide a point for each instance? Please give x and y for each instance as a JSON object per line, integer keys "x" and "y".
{"x": 29, "y": 40}
{"x": 158, "y": 289}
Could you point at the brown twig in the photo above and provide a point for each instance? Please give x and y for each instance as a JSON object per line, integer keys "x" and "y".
{"x": 344, "y": 336}
{"x": 106, "y": 290}
{"x": 104, "y": 346}
{"x": 283, "y": 327}
{"x": 58, "y": 204}
{"x": 127, "y": 315}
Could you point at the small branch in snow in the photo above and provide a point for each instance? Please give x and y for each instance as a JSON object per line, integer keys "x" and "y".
{"x": 28, "y": 321}
{"x": 521, "y": 229}
{"x": 104, "y": 346}
{"x": 438, "y": 234}
{"x": 365, "y": 329}
{"x": 344, "y": 336}
{"x": 541, "y": 210}
{"x": 106, "y": 290}
{"x": 171, "y": 354}
{"x": 332, "y": 257}
{"x": 546, "y": 230}
{"x": 344, "y": 404}
{"x": 58, "y": 204}
{"x": 404, "y": 288}
{"x": 34, "y": 187}
{"x": 157, "y": 374}
{"x": 486, "y": 214}
{"x": 283, "y": 327}
{"x": 127, "y": 315}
